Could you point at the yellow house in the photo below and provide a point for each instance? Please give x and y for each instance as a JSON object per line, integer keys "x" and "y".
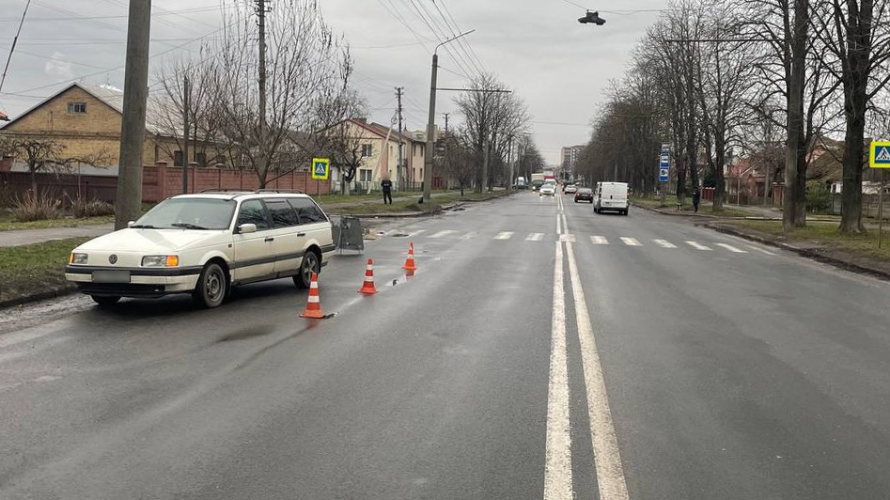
{"x": 86, "y": 121}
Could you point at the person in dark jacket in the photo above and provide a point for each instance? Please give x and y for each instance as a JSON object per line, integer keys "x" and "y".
{"x": 386, "y": 184}
{"x": 696, "y": 199}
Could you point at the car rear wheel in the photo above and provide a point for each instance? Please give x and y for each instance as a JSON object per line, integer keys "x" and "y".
{"x": 211, "y": 288}
{"x": 105, "y": 300}
{"x": 310, "y": 265}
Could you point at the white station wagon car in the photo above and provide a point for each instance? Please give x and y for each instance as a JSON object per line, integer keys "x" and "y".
{"x": 205, "y": 244}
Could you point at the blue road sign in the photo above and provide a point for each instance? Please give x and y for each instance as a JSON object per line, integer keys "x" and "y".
{"x": 321, "y": 168}
{"x": 663, "y": 175}
{"x": 879, "y": 154}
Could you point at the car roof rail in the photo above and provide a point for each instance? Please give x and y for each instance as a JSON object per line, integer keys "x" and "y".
{"x": 287, "y": 191}
{"x": 217, "y": 190}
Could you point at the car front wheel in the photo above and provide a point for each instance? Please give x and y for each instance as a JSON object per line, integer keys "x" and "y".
{"x": 211, "y": 288}
{"x": 310, "y": 265}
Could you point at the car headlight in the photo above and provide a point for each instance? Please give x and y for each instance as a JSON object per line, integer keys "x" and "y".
{"x": 77, "y": 258}
{"x": 160, "y": 261}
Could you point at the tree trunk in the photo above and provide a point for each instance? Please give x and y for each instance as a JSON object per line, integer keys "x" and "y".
{"x": 795, "y": 149}
{"x": 33, "y": 170}
{"x": 719, "y": 178}
{"x": 856, "y": 75}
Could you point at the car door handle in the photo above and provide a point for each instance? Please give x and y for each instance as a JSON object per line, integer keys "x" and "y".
{"x": 300, "y": 235}
{"x": 269, "y": 238}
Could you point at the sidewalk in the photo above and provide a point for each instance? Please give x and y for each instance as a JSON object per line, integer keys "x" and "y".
{"x": 18, "y": 237}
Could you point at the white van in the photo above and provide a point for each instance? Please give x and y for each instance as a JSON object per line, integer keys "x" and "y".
{"x": 610, "y": 196}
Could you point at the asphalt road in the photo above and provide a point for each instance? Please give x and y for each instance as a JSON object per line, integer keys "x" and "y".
{"x": 533, "y": 355}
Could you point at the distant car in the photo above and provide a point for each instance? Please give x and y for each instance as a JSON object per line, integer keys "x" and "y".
{"x": 205, "y": 244}
{"x": 570, "y": 189}
{"x": 584, "y": 194}
{"x": 548, "y": 189}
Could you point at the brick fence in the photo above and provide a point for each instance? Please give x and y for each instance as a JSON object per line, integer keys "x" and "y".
{"x": 158, "y": 183}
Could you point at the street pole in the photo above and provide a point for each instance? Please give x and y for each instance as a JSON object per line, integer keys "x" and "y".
{"x": 185, "y": 134}
{"x": 431, "y": 124}
{"x": 486, "y": 144}
{"x": 881, "y": 210}
{"x": 128, "y": 202}
{"x": 404, "y": 182}
{"x": 261, "y": 14}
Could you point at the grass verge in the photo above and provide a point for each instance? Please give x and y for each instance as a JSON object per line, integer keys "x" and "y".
{"x": 705, "y": 208}
{"x": 410, "y": 205}
{"x": 824, "y": 234}
{"x": 32, "y": 269}
{"x": 7, "y": 224}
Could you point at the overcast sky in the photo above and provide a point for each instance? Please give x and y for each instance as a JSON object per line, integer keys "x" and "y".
{"x": 537, "y": 48}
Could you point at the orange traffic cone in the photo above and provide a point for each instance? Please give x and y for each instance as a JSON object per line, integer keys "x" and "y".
{"x": 409, "y": 263}
{"x": 313, "y": 305}
{"x": 368, "y": 286}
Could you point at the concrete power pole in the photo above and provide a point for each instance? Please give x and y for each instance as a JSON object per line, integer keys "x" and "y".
{"x": 128, "y": 202}
{"x": 185, "y": 135}
{"x": 261, "y": 15}
{"x": 399, "y": 168}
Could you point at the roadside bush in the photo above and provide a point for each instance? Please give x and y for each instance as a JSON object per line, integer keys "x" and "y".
{"x": 818, "y": 200}
{"x": 91, "y": 208}
{"x": 39, "y": 207}
{"x": 5, "y": 195}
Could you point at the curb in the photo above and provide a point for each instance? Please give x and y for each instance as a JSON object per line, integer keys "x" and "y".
{"x": 812, "y": 254}
{"x": 59, "y": 291}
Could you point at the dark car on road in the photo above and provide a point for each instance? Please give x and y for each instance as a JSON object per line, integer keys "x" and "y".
{"x": 584, "y": 194}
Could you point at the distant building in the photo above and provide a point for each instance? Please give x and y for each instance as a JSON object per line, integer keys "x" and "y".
{"x": 570, "y": 156}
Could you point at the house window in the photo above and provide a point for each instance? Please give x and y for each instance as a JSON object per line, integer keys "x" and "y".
{"x": 364, "y": 175}
{"x": 77, "y": 107}
{"x": 201, "y": 158}
{"x": 367, "y": 150}
{"x": 177, "y": 157}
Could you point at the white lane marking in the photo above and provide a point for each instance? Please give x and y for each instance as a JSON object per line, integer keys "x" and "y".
{"x": 631, "y": 242}
{"x": 415, "y": 233}
{"x": 599, "y": 240}
{"x": 504, "y": 235}
{"x": 567, "y": 237}
{"x": 441, "y": 234}
{"x": 534, "y": 237}
{"x": 665, "y": 244}
{"x": 565, "y": 223}
{"x": 609, "y": 470}
{"x": 731, "y": 248}
{"x": 470, "y": 235}
{"x": 697, "y": 246}
{"x": 558, "y": 456}
{"x": 762, "y": 250}
{"x": 558, "y": 225}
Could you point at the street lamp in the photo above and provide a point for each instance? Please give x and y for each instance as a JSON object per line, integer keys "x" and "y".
{"x": 592, "y": 17}
{"x": 431, "y": 123}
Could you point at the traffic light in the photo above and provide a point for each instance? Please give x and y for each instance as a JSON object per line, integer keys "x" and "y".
{"x": 592, "y": 17}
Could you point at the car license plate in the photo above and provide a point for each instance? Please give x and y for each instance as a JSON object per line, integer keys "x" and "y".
{"x": 111, "y": 276}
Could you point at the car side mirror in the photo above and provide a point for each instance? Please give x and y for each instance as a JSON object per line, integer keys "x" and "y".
{"x": 131, "y": 223}
{"x": 247, "y": 228}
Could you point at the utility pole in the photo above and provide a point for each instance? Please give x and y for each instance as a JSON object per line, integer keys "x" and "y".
{"x": 486, "y": 145}
{"x": 399, "y": 111}
{"x": 128, "y": 202}
{"x": 185, "y": 134}
{"x": 261, "y": 15}
{"x": 446, "y": 122}
{"x": 431, "y": 124}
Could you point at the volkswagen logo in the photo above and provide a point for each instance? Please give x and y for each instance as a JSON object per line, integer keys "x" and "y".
{"x": 112, "y": 258}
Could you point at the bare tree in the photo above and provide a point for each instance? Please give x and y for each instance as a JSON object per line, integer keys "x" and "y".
{"x": 40, "y": 154}
{"x": 458, "y": 159}
{"x": 303, "y": 59}
{"x": 857, "y": 36}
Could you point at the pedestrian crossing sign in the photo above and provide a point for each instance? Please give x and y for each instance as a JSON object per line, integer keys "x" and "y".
{"x": 879, "y": 154}
{"x": 321, "y": 168}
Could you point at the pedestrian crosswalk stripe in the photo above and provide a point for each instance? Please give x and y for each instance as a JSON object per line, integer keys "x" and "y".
{"x": 534, "y": 237}
{"x": 731, "y": 248}
{"x": 470, "y": 235}
{"x": 504, "y": 235}
{"x": 415, "y": 233}
{"x": 761, "y": 250}
{"x": 441, "y": 234}
{"x": 665, "y": 244}
{"x": 599, "y": 240}
{"x": 631, "y": 242}
{"x": 697, "y": 246}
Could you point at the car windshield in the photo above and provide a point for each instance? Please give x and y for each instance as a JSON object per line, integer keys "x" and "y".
{"x": 189, "y": 213}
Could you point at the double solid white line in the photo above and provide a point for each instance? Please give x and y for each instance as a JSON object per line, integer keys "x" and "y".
{"x": 607, "y": 459}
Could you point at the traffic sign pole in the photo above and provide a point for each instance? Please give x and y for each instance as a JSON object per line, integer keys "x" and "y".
{"x": 664, "y": 166}
{"x": 879, "y": 157}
